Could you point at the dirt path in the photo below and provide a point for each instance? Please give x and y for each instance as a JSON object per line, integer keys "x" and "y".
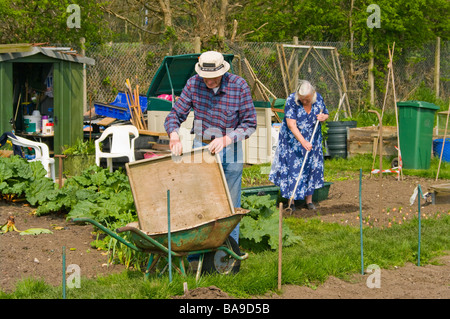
{"x": 408, "y": 282}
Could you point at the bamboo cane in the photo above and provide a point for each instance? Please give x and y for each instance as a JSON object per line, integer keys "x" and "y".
{"x": 443, "y": 144}
{"x": 391, "y": 57}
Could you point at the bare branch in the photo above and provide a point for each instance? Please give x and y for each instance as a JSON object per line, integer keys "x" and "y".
{"x": 250, "y": 32}
{"x": 129, "y": 21}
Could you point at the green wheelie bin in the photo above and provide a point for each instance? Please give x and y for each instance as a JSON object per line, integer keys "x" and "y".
{"x": 416, "y": 121}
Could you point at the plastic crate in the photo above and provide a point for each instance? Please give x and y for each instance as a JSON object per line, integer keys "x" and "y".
{"x": 437, "y": 149}
{"x": 119, "y": 109}
{"x": 322, "y": 193}
{"x": 273, "y": 191}
{"x": 319, "y": 194}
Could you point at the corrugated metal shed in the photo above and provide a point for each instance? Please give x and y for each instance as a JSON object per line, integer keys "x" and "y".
{"x": 13, "y": 52}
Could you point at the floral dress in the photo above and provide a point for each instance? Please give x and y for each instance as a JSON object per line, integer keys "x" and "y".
{"x": 289, "y": 155}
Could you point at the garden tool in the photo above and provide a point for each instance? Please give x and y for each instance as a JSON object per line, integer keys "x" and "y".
{"x": 289, "y": 209}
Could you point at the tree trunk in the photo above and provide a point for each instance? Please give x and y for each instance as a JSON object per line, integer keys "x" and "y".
{"x": 222, "y": 18}
{"x": 167, "y": 12}
{"x": 371, "y": 78}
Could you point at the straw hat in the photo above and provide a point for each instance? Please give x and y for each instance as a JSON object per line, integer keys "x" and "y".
{"x": 211, "y": 64}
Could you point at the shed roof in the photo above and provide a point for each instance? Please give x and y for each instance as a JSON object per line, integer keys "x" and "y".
{"x": 17, "y": 51}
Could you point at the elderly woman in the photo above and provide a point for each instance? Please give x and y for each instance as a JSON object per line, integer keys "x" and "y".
{"x": 303, "y": 108}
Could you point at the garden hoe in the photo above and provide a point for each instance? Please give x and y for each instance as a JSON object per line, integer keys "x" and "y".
{"x": 289, "y": 209}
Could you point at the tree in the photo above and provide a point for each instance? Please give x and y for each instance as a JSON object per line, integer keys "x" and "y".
{"x": 410, "y": 23}
{"x": 35, "y": 21}
{"x": 171, "y": 20}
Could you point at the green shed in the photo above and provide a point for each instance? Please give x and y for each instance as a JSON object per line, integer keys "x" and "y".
{"x": 45, "y": 79}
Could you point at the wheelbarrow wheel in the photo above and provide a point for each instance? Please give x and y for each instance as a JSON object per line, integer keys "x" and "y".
{"x": 220, "y": 261}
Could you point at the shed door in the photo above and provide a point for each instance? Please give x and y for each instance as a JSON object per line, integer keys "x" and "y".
{"x": 68, "y": 108}
{"x": 6, "y": 97}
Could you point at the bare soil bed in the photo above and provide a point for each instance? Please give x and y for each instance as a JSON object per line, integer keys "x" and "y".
{"x": 383, "y": 204}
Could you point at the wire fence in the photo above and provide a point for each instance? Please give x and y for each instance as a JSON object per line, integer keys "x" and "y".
{"x": 279, "y": 66}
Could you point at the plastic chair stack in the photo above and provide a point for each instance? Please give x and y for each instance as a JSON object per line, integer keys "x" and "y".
{"x": 41, "y": 151}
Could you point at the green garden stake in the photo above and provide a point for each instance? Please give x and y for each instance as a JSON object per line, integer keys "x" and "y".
{"x": 360, "y": 222}
{"x": 168, "y": 235}
{"x": 64, "y": 271}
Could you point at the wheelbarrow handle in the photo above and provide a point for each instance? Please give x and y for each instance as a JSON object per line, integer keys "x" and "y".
{"x": 108, "y": 231}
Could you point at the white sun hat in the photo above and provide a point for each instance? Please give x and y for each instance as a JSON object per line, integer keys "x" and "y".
{"x": 211, "y": 64}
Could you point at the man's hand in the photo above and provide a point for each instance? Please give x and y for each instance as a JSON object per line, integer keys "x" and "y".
{"x": 219, "y": 144}
{"x": 175, "y": 144}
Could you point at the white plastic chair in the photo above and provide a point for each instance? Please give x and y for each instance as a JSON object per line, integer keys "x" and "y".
{"x": 121, "y": 144}
{"x": 41, "y": 151}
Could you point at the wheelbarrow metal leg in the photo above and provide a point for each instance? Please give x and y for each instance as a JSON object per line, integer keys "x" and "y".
{"x": 183, "y": 270}
{"x": 199, "y": 267}
{"x": 149, "y": 264}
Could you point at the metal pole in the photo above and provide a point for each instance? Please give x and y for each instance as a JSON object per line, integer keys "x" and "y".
{"x": 280, "y": 243}
{"x": 360, "y": 223}
{"x": 419, "y": 193}
{"x": 168, "y": 235}
{"x": 64, "y": 271}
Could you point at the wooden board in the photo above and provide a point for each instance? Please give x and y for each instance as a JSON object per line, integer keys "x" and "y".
{"x": 198, "y": 191}
{"x": 151, "y": 133}
{"x": 106, "y": 121}
{"x": 15, "y": 47}
{"x": 364, "y": 140}
{"x": 6, "y": 153}
{"x": 441, "y": 188}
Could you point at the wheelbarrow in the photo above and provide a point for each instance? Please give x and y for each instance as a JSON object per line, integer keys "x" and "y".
{"x": 217, "y": 251}
{"x": 184, "y": 208}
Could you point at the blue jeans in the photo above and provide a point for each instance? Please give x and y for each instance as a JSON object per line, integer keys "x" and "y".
{"x": 232, "y": 163}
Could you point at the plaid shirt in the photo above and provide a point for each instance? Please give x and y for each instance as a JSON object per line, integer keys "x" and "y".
{"x": 230, "y": 111}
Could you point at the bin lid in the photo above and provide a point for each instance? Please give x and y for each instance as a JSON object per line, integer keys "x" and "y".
{"x": 419, "y": 104}
{"x": 181, "y": 68}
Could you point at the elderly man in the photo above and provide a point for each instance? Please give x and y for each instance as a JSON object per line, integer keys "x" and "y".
{"x": 224, "y": 115}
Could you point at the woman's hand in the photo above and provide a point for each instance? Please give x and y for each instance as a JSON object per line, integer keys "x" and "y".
{"x": 321, "y": 117}
{"x": 306, "y": 145}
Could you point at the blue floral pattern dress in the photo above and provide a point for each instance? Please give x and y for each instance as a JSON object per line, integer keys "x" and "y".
{"x": 289, "y": 155}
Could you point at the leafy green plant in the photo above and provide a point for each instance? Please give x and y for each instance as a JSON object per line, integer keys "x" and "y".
{"x": 98, "y": 194}
{"x": 80, "y": 147}
{"x": 259, "y": 229}
{"x": 19, "y": 178}
{"x": 104, "y": 197}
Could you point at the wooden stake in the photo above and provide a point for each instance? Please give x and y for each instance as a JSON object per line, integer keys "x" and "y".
{"x": 344, "y": 85}
{"x": 391, "y": 57}
{"x": 282, "y": 71}
{"x": 280, "y": 243}
{"x": 443, "y": 143}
